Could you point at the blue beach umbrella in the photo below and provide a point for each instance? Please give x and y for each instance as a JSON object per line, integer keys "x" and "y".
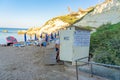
{"x": 52, "y": 36}
{"x": 25, "y": 37}
{"x": 35, "y": 37}
{"x": 46, "y": 38}
{"x": 55, "y": 35}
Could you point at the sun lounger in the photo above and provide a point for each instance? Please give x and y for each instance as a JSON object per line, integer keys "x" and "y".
{"x": 18, "y": 45}
{"x": 28, "y": 43}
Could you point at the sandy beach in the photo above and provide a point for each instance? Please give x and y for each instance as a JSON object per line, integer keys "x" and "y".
{"x": 28, "y": 63}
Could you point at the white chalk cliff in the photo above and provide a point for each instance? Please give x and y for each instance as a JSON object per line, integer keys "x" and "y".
{"x": 106, "y": 12}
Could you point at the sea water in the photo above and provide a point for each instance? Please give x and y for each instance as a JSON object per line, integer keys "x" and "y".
{"x": 11, "y": 32}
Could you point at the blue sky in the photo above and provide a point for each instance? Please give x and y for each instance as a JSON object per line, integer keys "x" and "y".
{"x": 34, "y": 13}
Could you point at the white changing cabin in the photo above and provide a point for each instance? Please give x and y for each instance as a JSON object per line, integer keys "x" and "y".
{"x": 74, "y": 44}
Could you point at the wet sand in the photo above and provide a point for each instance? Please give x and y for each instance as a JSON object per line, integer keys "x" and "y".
{"x": 28, "y": 63}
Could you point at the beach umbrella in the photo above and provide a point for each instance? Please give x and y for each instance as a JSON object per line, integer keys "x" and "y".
{"x": 38, "y": 33}
{"x": 11, "y": 39}
{"x": 52, "y": 36}
{"x": 31, "y": 33}
{"x": 55, "y": 35}
{"x": 25, "y": 37}
{"x": 35, "y": 37}
{"x": 22, "y": 32}
{"x": 46, "y": 37}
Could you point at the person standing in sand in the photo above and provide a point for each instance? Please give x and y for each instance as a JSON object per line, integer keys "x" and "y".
{"x": 57, "y": 47}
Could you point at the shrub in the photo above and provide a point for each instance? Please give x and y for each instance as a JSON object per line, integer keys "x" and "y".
{"x": 105, "y": 44}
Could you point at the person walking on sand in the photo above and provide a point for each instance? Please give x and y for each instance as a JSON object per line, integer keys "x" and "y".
{"x": 57, "y": 47}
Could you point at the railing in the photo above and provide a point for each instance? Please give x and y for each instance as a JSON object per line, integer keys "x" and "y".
{"x": 91, "y": 65}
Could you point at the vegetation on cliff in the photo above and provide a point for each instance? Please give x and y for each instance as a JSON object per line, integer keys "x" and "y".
{"x": 72, "y": 17}
{"x": 105, "y": 44}
{"x": 66, "y": 18}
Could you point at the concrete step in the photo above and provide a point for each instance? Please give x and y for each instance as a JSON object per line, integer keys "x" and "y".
{"x": 49, "y": 59}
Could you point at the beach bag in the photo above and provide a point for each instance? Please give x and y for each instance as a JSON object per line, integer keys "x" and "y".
{"x": 44, "y": 44}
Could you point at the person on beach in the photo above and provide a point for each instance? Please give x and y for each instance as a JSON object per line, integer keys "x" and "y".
{"x": 57, "y": 47}
{"x": 52, "y": 36}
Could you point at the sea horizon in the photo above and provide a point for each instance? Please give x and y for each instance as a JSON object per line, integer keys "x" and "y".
{"x": 13, "y": 28}
{"x": 9, "y": 29}
{"x": 10, "y": 32}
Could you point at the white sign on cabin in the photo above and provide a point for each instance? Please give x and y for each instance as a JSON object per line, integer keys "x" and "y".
{"x": 81, "y": 38}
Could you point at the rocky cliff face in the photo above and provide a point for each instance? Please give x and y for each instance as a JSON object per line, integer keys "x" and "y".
{"x": 103, "y": 13}
{"x": 61, "y": 22}
{"x": 106, "y": 12}
{"x": 53, "y": 26}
